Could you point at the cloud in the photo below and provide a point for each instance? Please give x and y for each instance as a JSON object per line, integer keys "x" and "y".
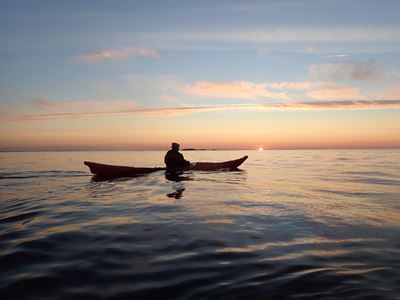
{"x": 369, "y": 70}
{"x": 43, "y": 103}
{"x": 339, "y": 93}
{"x": 79, "y": 109}
{"x": 113, "y": 55}
{"x": 295, "y": 85}
{"x": 347, "y": 104}
{"x": 40, "y": 107}
{"x": 391, "y": 93}
{"x": 241, "y": 89}
{"x": 336, "y": 56}
{"x": 358, "y": 34}
{"x": 232, "y": 89}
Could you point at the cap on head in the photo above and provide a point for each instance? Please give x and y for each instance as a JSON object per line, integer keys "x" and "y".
{"x": 175, "y": 146}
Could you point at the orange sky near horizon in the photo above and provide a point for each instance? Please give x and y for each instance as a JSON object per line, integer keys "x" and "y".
{"x": 219, "y": 130}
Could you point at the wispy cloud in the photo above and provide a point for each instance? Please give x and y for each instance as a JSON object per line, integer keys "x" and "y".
{"x": 296, "y": 85}
{"x": 348, "y": 104}
{"x": 391, "y": 93}
{"x": 240, "y": 89}
{"x": 338, "y": 93}
{"x": 123, "y": 108}
{"x": 117, "y": 54}
{"x": 360, "y": 34}
{"x": 38, "y": 107}
{"x": 232, "y": 89}
{"x": 44, "y": 103}
{"x": 336, "y": 56}
{"x": 355, "y": 70}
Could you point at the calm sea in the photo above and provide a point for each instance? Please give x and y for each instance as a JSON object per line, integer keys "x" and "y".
{"x": 288, "y": 225}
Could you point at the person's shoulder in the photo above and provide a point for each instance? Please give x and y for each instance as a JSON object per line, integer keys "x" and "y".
{"x": 169, "y": 152}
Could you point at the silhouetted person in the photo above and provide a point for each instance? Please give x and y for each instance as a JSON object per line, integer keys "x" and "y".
{"x": 175, "y": 160}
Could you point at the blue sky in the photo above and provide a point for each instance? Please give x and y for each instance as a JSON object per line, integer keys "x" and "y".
{"x": 118, "y": 60}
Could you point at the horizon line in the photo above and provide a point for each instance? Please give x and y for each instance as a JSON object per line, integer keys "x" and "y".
{"x": 205, "y": 149}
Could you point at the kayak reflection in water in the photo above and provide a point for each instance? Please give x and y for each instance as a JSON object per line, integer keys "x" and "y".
{"x": 175, "y": 160}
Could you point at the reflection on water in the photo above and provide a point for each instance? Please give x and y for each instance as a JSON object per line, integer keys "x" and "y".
{"x": 178, "y": 194}
{"x": 176, "y": 178}
{"x": 290, "y": 224}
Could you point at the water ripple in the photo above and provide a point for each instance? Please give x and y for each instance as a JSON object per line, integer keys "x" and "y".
{"x": 294, "y": 224}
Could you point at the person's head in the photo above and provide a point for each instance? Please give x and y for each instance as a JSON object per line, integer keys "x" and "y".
{"x": 175, "y": 146}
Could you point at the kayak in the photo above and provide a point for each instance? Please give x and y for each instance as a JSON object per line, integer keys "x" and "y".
{"x": 124, "y": 171}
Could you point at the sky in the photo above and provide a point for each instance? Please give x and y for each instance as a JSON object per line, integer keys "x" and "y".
{"x": 127, "y": 75}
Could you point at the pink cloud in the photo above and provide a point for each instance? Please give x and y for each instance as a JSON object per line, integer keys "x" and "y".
{"x": 391, "y": 93}
{"x": 296, "y": 85}
{"x": 232, "y": 89}
{"x": 126, "y": 108}
{"x": 339, "y": 93}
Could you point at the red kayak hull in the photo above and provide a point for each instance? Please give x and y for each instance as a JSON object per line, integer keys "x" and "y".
{"x": 123, "y": 171}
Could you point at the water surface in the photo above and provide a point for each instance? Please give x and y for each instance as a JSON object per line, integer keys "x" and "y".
{"x": 289, "y": 224}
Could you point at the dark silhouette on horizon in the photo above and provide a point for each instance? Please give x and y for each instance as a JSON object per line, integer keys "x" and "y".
{"x": 174, "y": 159}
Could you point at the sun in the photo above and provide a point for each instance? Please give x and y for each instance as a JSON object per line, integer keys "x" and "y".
{"x": 260, "y": 149}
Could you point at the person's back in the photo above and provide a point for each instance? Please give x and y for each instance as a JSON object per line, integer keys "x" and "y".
{"x": 175, "y": 160}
